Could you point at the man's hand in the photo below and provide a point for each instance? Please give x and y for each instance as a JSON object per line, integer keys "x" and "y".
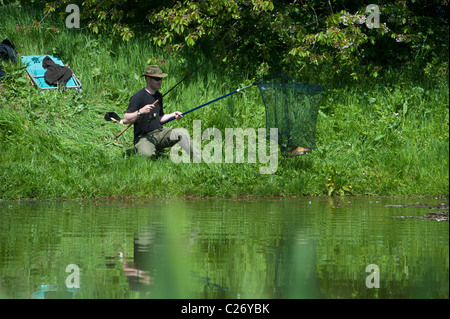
{"x": 178, "y": 115}
{"x": 133, "y": 117}
{"x": 147, "y": 108}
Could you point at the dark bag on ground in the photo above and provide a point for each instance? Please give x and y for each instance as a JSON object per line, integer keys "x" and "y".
{"x": 7, "y": 52}
{"x": 55, "y": 74}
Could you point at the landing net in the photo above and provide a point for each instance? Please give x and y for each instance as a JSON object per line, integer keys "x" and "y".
{"x": 291, "y": 107}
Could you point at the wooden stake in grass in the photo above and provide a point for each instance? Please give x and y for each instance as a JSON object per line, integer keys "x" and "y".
{"x": 123, "y": 131}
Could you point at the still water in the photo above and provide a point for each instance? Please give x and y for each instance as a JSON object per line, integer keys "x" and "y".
{"x": 308, "y": 248}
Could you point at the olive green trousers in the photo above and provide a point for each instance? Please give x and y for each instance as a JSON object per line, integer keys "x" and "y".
{"x": 149, "y": 144}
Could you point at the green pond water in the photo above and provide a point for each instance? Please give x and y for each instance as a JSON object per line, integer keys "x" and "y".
{"x": 306, "y": 248}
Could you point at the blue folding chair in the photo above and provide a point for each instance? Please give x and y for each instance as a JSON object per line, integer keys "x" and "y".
{"x": 35, "y": 72}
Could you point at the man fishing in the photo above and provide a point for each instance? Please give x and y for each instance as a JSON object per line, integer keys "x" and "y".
{"x": 145, "y": 110}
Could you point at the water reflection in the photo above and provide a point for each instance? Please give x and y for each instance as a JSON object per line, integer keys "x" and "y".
{"x": 313, "y": 248}
{"x": 137, "y": 270}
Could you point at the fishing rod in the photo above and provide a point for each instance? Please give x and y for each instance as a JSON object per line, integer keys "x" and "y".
{"x": 209, "y": 59}
{"x": 219, "y": 98}
{"x": 111, "y": 116}
{"x": 198, "y": 67}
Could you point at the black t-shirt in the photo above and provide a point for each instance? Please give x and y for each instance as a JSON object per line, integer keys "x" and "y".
{"x": 147, "y": 122}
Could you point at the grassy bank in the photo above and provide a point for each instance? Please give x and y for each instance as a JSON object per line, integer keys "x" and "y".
{"x": 384, "y": 136}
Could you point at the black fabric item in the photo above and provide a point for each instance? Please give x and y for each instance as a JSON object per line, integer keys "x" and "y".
{"x": 7, "y": 51}
{"x": 55, "y": 74}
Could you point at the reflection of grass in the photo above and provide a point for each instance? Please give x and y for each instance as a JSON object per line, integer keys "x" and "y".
{"x": 223, "y": 249}
{"x": 412, "y": 263}
{"x": 380, "y": 138}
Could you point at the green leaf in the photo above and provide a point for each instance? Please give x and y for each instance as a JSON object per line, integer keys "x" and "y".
{"x": 330, "y": 190}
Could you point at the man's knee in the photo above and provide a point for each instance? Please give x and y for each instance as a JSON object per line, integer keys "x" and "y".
{"x": 145, "y": 152}
{"x": 145, "y": 148}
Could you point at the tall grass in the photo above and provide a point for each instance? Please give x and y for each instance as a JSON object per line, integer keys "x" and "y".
{"x": 380, "y": 137}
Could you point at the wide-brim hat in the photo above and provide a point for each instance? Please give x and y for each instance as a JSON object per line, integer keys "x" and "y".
{"x": 154, "y": 71}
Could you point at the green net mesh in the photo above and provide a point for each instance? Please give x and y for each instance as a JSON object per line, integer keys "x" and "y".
{"x": 291, "y": 107}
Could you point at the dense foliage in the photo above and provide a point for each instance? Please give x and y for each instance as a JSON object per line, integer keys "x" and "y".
{"x": 298, "y": 36}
